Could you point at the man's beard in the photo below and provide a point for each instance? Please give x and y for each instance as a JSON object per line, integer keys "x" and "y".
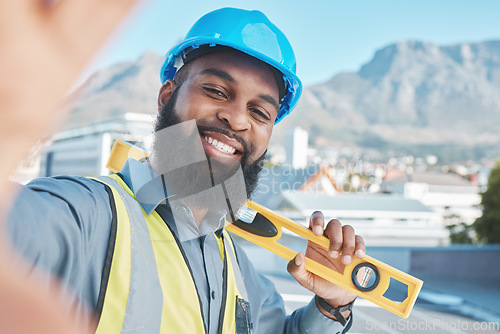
{"x": 168, "y": 117}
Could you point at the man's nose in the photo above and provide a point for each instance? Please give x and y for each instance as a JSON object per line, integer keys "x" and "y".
{"x": 236, "y": 116}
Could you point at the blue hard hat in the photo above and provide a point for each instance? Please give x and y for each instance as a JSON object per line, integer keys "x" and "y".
{"x": 250, "y": 32}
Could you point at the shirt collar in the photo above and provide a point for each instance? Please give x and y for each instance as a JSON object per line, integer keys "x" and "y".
{"x": 145, "y": 183}
{"x": 149, "y": 190}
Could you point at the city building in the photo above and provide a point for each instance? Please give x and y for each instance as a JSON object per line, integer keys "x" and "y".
{"x": 445, "y": 193}
{"x": 85, "y": 151}
{"x": 382, "y": 219}
{"x": 296, "y": 147}
{"x": 275, "y": 180}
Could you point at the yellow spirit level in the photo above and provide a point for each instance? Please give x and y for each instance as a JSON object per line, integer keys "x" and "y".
{"x": 366, "y": 277}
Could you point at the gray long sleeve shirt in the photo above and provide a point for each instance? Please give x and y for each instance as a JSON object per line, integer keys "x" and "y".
{"x": 62, "y": 225}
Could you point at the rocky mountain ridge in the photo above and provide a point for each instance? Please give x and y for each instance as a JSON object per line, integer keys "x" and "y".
{"x": 414, "y": 92}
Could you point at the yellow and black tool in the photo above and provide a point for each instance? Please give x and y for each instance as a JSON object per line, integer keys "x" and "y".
{"x": 120, "y": 152}
{"x": 366, "y": 277}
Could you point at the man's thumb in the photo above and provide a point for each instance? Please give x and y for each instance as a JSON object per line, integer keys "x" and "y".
{"x": 296, "y": 268}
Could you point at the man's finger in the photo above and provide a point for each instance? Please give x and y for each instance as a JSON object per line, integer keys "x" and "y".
{"x": 84, "y": 25}
{"x": 296, "y": 268}
{"x": 334, "y": 233}
{"x": 317, "y": 222}
{"x": 81, "y": 11}
{"x": 360, "y": 247}
{"x": 348, "y": 245}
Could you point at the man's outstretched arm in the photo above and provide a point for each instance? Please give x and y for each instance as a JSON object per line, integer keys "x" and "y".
{"x": 44, "y": 44}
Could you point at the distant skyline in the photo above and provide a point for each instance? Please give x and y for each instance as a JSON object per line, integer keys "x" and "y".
{"x": 328, "y": 36}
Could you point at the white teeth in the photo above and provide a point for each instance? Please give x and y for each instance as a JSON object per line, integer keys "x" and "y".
{"x": 220, "y": 146}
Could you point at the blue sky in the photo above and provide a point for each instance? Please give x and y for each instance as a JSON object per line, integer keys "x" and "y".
{"x": 328, "y": 36}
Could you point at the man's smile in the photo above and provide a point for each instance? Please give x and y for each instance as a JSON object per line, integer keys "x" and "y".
{"x": 220, "y": 145}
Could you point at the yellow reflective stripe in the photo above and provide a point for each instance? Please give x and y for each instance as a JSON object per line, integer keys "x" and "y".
{"x": 117, "y": 290}
{"x": 181, "y": 311}
{"x": 220, "y": 244}
{"x": 229, "y": 324}
{"x": 122, "y": 184}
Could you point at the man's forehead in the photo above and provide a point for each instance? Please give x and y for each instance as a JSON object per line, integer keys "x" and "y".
{"x": 230, "y": 57}
{"x": 219, "y": 63}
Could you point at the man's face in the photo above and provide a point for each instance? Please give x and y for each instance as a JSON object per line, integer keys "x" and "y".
{"x": 234, "y": 100}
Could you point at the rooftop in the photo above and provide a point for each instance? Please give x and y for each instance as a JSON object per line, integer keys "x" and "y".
{"x": 353, "y": 201}
{"x": 430, "y": 178}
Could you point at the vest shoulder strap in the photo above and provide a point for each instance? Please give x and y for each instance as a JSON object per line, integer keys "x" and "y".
{"x": 116, "y": 274}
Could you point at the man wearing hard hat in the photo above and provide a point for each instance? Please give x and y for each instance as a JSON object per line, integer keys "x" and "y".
{"x": 145, "y": 249}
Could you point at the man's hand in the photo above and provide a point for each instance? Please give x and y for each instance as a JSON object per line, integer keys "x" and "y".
{"x": 44, "y": 45}
{"x": 342, "y": 240}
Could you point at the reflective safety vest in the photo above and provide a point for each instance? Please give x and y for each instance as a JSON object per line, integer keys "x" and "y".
{"x": 147, "y": 285}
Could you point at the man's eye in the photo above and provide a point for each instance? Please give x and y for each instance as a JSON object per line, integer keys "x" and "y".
{"x": 214, "y": 92}
{"x": 259, "y": 114}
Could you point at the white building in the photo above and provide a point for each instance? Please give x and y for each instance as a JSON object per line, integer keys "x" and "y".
{"x": 85, "y": 151}
{"x": 296, "y": 147}
{"x": 381, "y": 219}
{"x": 442, "y": 192}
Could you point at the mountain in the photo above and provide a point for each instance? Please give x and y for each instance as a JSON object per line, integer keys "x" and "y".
{"x": 409, "y": 94}
{"x": 121, "y": 88}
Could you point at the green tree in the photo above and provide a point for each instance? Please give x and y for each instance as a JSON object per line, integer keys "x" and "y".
{"x": 488, "y": 225}
{"x": 460, "y": 232}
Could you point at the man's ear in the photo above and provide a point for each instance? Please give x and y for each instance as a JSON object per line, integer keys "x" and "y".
{"x": 165, "y": 93}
